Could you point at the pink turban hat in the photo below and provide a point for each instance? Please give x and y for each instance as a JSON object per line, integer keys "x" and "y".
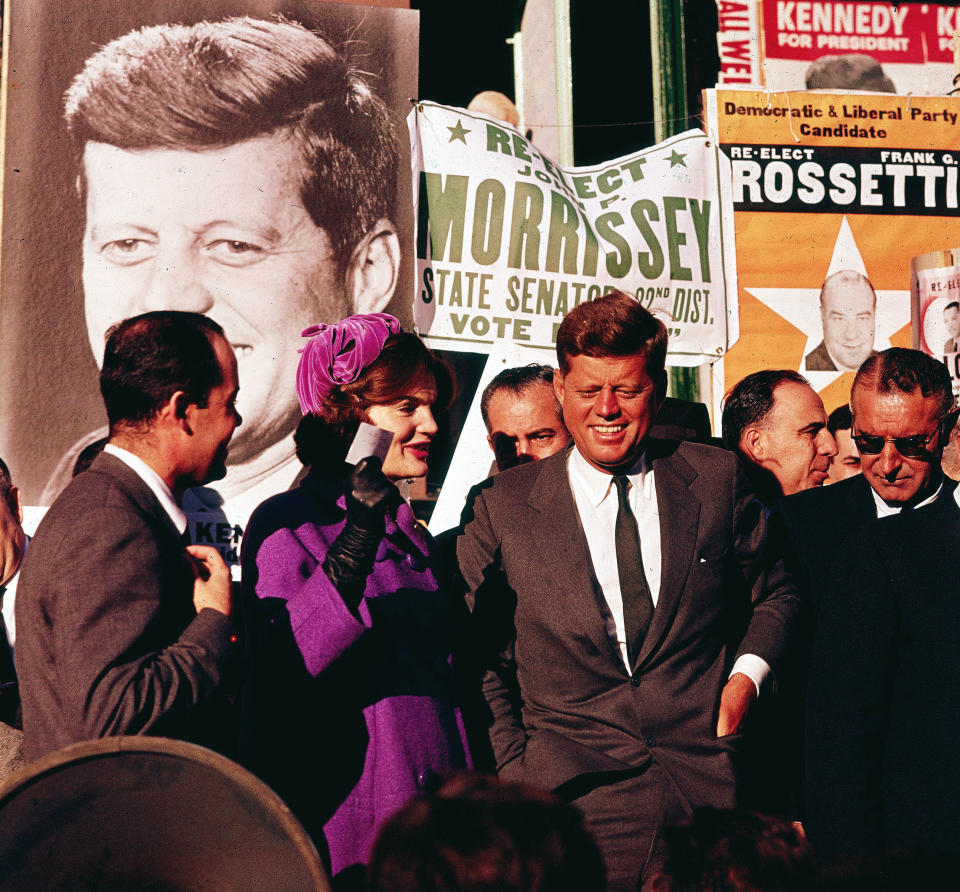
{"x": 338, "y": 353}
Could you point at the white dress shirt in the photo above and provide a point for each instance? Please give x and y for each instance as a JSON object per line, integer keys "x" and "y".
{"x": 9, "y": 599}
{"x": 597, "y": 504}
{"x": 156, "y": 483}
{"x": 888, "y": 509}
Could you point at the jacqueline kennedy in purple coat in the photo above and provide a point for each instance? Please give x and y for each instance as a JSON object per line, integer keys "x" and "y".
{"x": 349, "y": 710}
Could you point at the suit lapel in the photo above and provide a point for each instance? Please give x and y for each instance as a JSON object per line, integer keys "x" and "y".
{"x": 558, "y": 538}
{"x": 862, "y": 508}
{"x": 139, "y": 491}
{"x": 679, "y": 512}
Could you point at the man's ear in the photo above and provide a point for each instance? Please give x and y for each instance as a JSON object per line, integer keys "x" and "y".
{"x": 371, "y": 275}
{"x": 753, "y": 445}
{"x": 14, "y": 503}
{"x": 176, "y": 411}
{"x": 949, "y": 427}
{"x": 558, "y": 385}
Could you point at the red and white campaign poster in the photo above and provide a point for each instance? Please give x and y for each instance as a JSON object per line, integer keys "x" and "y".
{"x": 738, "y": 40}
{"x": 877, "y": 46}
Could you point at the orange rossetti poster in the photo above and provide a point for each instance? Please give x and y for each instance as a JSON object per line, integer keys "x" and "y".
{"x": 843, "y": 188}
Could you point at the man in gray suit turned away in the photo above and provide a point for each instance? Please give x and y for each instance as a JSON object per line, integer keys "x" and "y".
{"x": 627, "y": 608}
{"x": 123, "y": 628}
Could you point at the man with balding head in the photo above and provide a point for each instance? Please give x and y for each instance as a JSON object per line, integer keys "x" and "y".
{"x": 776, "y": 422}
{"x": 523, "y": 418}
{"x": 495, "y": 104}
{"x": 848, "y": 310}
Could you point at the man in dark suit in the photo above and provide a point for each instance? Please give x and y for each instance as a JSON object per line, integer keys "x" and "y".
{"x": 627, "y": 607}
{"x": 775, "y": 421}
{"x": 13, "y": 546}
{"x": 901, "y": 404}
{"x": 882, "y": 727}
{"x": 123, "y": 630}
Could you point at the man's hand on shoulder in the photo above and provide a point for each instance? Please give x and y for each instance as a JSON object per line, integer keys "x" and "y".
{"x": 735, "y": 699}
{"x": 212, "y": 584}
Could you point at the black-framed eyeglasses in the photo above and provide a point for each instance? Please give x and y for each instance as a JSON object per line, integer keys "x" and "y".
{"x": 908, "y": 447}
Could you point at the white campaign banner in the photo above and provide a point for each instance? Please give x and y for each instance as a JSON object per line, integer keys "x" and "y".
{"x": 508, "y": 241}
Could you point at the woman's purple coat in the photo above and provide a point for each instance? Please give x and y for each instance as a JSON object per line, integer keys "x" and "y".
{"x": 346, "y": 717}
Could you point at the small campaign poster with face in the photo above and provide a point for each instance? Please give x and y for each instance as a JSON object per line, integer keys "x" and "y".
{"x": 833, "y": 194}
{"x": 237, "y": 158}
{"x": 935, "y": 285}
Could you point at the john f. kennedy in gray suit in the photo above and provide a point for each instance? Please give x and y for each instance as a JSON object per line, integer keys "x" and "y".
{"x": 628, "y": 606}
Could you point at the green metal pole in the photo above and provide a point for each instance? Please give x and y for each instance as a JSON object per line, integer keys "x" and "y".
{"x": 668, "y": 59}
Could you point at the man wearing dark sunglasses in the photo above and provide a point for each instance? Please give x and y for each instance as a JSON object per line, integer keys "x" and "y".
{"x": 902, "y": 402}
{"x": 883, "y": 704}
{"x": 900, "y": 430}
{"x": 902, "y": 406}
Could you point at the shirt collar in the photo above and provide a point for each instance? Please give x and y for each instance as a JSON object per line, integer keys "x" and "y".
{"x": 596, "y": 483}
{"x": 156, "y": 483}
{"x": 886, "y": 509}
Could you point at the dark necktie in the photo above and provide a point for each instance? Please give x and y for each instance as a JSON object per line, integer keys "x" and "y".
{"x": 637, "y": 603}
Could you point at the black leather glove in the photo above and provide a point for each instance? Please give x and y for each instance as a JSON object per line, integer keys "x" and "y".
{"x": 369, "y": 495}
{"x": 349, "y": 560}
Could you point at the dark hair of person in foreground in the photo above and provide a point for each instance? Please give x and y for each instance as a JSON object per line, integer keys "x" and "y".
{"x": 736, "y": 851}
{"x": 481, "y": 834}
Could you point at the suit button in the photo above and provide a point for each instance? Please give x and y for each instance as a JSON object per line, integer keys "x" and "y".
{"x": 650, "y": 740}
{"x": 428, "y": 781}
{"x": 635, "y": 680}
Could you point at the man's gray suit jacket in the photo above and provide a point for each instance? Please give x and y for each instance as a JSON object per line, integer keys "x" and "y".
{"x": 562, "y": 702}
{"x": 108, "y": 639}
